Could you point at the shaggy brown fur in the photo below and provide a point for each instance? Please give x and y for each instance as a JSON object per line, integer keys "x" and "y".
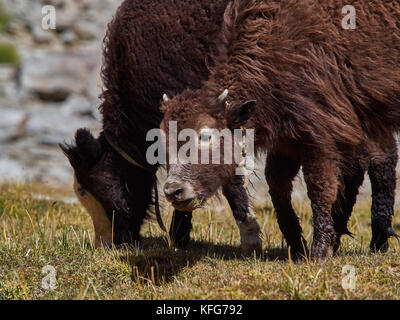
{"x": 324, "y": 96}
{"x": 151, "y": 48}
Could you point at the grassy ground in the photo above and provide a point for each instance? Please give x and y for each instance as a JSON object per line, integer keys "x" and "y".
{"x": 37, "y": 233}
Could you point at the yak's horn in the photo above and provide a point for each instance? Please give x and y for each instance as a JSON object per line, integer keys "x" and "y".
{"x": 223, "y": 96}
{"x": 165, "y": 97}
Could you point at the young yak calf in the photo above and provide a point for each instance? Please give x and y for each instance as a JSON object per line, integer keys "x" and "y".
{"x": 151, "y": 48}
{"x": 318, "y": 96}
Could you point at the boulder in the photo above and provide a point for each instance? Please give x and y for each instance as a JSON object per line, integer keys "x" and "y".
{"x": 12, "y": 125}
{"x": 54, "y": 76}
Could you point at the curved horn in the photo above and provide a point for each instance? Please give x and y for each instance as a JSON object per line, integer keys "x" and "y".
{"x": 223, "y": 96}
{"x": 165, "y": 97}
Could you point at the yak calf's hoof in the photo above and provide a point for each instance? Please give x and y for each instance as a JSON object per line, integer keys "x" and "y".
{"x": 380, "y": 240}
{"x": 336, "y": 246}
{"x": 299, "y": 251}
{"x": 250, "y": 236}
{"x": 181, "y": 226}
{"x": 337, "y": 242}
{"x": 321, "y": 252}
{"x": 379, "y": 247}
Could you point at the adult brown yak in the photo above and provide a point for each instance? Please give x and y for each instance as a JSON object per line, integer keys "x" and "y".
{"x": 318, "y": 96}
{"x": 151, "y": 48}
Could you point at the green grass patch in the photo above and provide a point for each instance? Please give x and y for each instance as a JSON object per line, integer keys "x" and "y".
{"x": 5, "y": 18}
{"x": 8, "y": 54}
{"x": 35, "y": 233}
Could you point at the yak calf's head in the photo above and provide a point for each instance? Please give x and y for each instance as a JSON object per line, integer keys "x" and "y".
{"x": 115, "y": 193}
{"x": 204, "y": 157}
{"x": 85, "y": 158}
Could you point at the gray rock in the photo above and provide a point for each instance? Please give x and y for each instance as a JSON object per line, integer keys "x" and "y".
{"x": 12, "y": 124}
{"x": 8, "y": 81}
{"x": 51, "y": 122}
{"x": 68, "y": 37}
{"x": 77, "y": 105}
{"x": 40, "y": 35}
{"x": 11, "y": 170}
{"x": 54, "y": 76}
{"x": 55, "y": 91}
{"x": 86, "y": 30}
{"x": 7, "y": 73}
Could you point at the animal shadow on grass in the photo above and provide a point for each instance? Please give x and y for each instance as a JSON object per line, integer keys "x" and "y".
{"x": 154, "y": 261}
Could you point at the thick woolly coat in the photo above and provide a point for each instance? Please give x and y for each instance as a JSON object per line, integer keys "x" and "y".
{"x": 151, "y": 48}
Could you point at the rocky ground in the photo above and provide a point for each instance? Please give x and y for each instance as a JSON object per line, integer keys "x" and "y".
{"x": 55, "y": 88}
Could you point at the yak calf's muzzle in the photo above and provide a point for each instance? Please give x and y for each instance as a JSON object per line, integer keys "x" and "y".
{"x": 180, "y": 194}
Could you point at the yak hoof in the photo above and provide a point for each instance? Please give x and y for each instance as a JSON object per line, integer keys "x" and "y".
{"x": 299, "y": 250}
{"x": 250, "y": 236}
{"x": 179, "y": 232}
{"x": 321, "y": 252}
{"x": 380, "y": 241}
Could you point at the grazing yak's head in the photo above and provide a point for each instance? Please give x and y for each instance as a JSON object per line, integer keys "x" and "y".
{"x": 208, "y": 146}
{"x": 86, "y": 159}
{"x": 106, "y": 190}
{"x": 107, "y": 186}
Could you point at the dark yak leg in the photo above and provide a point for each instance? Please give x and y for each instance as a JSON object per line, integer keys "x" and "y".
{"x": 122, "y": 233}
{"x": 382, "y": 173}
{"x": 130, "y": 213}
{"x": 343, "y": 206}
{"x": 180, "y": 228}
{"x": 280, "y": 172}
{"x": 250, "y": 231}
{"x": 320, "y": 174}
{"x": 126, "y": 227}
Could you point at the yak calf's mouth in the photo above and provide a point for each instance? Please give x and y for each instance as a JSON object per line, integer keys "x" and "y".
{"x": 181, "y": 194}
{"x": 187, "y": 205}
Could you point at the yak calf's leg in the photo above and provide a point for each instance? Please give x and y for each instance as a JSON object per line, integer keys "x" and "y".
{"x": 280, "y": 172}
{"x": 382, "y": 173}
{"x": 250, "y": 231}
{"x": 320, "y": 174}
{"x": 180, "y": 228}
{"x": 343, "y": 206}
{"x": 125, "y": 228}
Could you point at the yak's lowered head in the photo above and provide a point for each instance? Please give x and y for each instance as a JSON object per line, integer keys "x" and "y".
{"x": 83, "y": 157}
{"x": 105, "y": 184}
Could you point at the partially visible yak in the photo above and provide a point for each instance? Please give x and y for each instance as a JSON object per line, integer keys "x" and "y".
{"x": 318, "y": 96}
{"x": 151, "y": 48}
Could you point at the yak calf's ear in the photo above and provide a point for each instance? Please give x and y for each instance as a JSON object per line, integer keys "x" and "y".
{"x": 241, "y": 112}
{"x": 85, "y": 153}
{"x": 88, "y": 146}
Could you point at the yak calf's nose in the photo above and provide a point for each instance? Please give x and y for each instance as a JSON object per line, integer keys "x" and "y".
{"x": 173, "y": 190}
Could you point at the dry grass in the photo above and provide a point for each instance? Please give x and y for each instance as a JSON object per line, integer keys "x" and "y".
{"x": 36, "y": 233}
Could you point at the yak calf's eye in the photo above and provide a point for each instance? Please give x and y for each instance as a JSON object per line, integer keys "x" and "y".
{"x": 205, "y": 136}
{"x": 82, "y": 192}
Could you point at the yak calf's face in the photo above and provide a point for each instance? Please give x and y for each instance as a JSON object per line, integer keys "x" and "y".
{"x": 101, "y": 223}
{"x": 85, "y": 157}
{"x": 204, "y": 157}
{"x": 115, "y": 193}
